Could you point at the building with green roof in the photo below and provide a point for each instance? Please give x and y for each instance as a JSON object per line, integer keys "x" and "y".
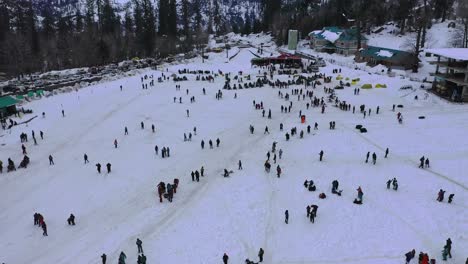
{"x": 336, "y": 40}
{"x": 393, "y": 59}
{"x": 7, "y": 106}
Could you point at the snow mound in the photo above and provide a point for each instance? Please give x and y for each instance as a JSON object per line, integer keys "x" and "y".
{"x": 384, "y": 53}
{"x": 331, "y": 36}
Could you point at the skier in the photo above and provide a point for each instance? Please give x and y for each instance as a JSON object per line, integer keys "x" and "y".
{"x": 421, "y": 164}
{"x": 202, "y": 171}
{"x": 395, "y": 184}
{"x": 359, "y": 198}
{"x": 386, "y": 153}
{"x": 156, "y": 149}
{"x": 71, "y": 220}
{"x": 108, "y": 165}
{"x": 251, "y": 129}
{"x": 98, "y": 166}
{"x": 410, "y": 255}
{"x": 260, "y": 254}
{"x": 266, "y": 131}
{"x": 115, "y": 143}
{"x": 449, "y": 247}
{"x": 188, "y": 113}
{"x": 126, "y": 131}
{"x": 85, "y": 158}
{"x": 152, "y": 127}
{"x": 308, "y": 210}
{"x": 104, "y": 258}
{"x": 24, "y": 149}
{"x": 202, "y": 144}
{"x": 240, "y": 165}
{"x": 211, "y": 144}
{"x": 63, "y": 113}
{"x": 193, "y": 176}
{"x": 51, "y": 160}
{"x": 280, "y": 153}
{"x": 44, "y": 228}
{"x": 286, "y": 216}
{"x": 139, "y": 243}
{"x": 122, "y": 258}
{"x": 278, "y": 171}
{"x": 313, "y": 213}
{"x": 217, "y": 142}
{"x": 197, "y": 176}
{"x": 374, "y": 158}
{"x": 315, "y": 126}
{"x": 321, "y": 154}
{"x": 427, "y": 162}
{"x": 450, "y": 198}
{"x": 225, "y": 258}
{"x": 388, "y": 184}
{"x": 41, "y": 134}
{"x": 142, "y": 127}
{"x": 440, "y": 195}
{"x": 367, "y": 156}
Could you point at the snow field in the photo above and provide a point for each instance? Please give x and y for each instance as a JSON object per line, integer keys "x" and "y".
{"x": 244, "y": 212}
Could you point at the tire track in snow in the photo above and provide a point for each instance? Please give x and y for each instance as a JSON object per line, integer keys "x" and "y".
{"x": 407, "y": 160}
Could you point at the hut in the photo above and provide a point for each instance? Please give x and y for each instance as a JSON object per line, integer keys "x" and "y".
{"x": 7, "y": 106}
{"x": 394, "y": 59}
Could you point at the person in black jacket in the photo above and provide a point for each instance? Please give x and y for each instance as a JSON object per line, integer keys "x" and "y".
{"x": 225, "y": 258}
{"x": 104, "y": 258}
{"x": 410, "y": 255}
{"x": 286, "y": 216}
{"x": 71, "y": 220}
{"x": 449, "y": 247}
{"x": 260, "y": 254}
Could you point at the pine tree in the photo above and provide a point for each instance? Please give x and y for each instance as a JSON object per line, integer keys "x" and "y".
{"x": 48, "y": 22}
{"x": 172, "y": 19}
{"x": 186, "y": 25}
{"x": 107, "y": 18}
{"x": 247, "y": 27}
{"x": 89, "y": 18}
{"x": 78, "y": 21}
{"x": 163, "y": 17}
{"x": 148, "y": 27}
{"x": 216, "y": 17}
{"x": 4, "y": 22}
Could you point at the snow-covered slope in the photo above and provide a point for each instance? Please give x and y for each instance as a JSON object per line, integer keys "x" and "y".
{"x": 244, "y": 212}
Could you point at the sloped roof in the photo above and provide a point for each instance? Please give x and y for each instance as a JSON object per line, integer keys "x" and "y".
{"x": 7, "y": 101}
{"x": 333, "y": 34}
{"x": 452, "y": 53}
{"x": 385, "y": 54}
